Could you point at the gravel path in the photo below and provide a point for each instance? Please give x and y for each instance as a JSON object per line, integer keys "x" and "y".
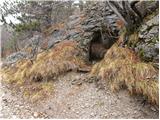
{"x": 76, "y": 101}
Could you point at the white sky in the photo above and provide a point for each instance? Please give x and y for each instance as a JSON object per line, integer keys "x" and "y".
{"x": 1, "y": 2}
{"x": 9, "y": 17}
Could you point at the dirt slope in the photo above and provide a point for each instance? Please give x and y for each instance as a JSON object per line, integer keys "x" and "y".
{"x": 76, "y": 101}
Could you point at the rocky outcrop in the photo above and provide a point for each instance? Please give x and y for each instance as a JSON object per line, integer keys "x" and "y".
{"x": 88, "y": 28}
{"x": 74, "y": 27}
{"x": 100, "y": 19}
{"x": 99, "y": 25}
{"x": 96, "y": 23}
{"x": 103, "y": 20}
{"x": 148, "y": 44}
{"x": 14, "y": 57}
{"x": 146, "y": 8}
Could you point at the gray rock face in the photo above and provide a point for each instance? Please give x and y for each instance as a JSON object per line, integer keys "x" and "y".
{"x": 11, "y": 59}
{"x": 73, "y": 21}
{"x": 15, "y": 57}
{"x": 149, "y": 29}
{"x": 101, "y": 16}
{"x": 56, "y": 36}
{"x": 52, "y": 42}
{"x": 82, "y": 26}
{"x": 147, "y": 7}
{"x": 148, "y": 45}
{"x": 100, "y": 21}
{"x": 149, "y": 52}
{"x": 74, "y": 27}
{"x": 73, "y": 30}
{"x": 98, "y": 17}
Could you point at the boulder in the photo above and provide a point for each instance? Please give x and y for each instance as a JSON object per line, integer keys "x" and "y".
{"x": 14, "y": 57}
{"x": 148, "y": 44}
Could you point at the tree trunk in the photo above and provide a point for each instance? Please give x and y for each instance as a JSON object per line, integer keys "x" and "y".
{"x": 130, "y": 12}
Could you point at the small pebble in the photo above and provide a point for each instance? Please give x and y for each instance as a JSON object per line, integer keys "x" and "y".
{"x": 17, "y": 105}
{"x": 135, "y": 112}
{"x": 92, "y": 114}
{"x": 14, "y": 117}
{"x": 82, "y": 106}
{"x": 35, "y": 114}
{"x": 87, "y": 105}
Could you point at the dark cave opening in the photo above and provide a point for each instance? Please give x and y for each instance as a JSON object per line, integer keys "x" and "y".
{"x": 100, "y": 43}
{"x": 96, "y": 48}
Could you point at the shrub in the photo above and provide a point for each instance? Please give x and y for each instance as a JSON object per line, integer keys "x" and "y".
{"x": 34, "y": 25}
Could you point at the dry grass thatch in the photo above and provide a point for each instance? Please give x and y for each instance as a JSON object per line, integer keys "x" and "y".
{"x": 120, "y": 67}
{"x": 64, "y": 57}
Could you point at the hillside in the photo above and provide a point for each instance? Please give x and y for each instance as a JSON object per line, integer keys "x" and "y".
{"x": 101, "y": 61}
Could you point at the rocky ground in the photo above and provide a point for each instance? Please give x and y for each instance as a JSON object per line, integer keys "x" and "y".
{"x": 83, "y": 100}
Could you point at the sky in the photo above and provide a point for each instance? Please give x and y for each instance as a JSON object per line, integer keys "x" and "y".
{"x": 9, "y": 17}
{"x": 1, "y": 2}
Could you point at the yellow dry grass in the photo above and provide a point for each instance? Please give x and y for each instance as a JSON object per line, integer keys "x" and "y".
{"x": 64, "y": 57}
{"x": 121, "y": 67}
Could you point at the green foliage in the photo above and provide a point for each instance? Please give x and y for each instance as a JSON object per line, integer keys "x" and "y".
{"x": 35, "y": 25}
{"x": 154, "y": 40}
{"x": 141, "y": 53}
{"x": 133, "y": 39}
